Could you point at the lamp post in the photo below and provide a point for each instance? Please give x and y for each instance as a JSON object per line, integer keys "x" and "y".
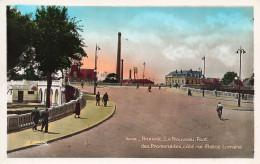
{"x": 204, "y": 58}
{"x": 95, "y": 82}
{"x": 240, "y": 51}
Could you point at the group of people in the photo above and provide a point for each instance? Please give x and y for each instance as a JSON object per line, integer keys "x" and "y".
{"x": 37, "y": 115}
{"x": 104, "y": 99}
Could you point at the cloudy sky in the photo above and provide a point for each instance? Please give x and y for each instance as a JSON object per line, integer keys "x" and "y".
{"x": 167, "y": 38}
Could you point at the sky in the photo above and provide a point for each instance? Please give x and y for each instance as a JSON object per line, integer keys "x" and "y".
{"x": 166, "y": 38}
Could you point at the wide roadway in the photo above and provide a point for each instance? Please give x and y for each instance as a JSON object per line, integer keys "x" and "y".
{"x": 158, "y": 124}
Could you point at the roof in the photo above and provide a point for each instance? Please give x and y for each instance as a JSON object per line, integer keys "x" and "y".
{"x": 185, "y": 73}
{"x": 141, "y": 81}
{"x": 81, "y": 73}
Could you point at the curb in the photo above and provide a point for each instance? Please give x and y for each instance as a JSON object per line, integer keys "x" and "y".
{"x": 63, "y": 137}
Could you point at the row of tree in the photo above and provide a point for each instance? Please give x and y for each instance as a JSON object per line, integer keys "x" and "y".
{"x": 49, "y": 42}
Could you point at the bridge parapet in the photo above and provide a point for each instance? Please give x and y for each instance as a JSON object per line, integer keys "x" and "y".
{"x": 17, "y": 122}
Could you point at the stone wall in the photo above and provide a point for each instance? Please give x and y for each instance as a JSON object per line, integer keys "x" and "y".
{"x": 18, "y": 122}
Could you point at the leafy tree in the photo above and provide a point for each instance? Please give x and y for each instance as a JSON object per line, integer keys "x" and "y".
{"x": 20, "y": 29}
{"x": 228, "y": 77}
{"x": 57, "y": 42}
{"x": 111, "y": 78}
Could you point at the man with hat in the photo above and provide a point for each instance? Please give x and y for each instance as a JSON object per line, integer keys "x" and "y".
{"x": 45, "y": 116}
{"x": 36, "y": 116}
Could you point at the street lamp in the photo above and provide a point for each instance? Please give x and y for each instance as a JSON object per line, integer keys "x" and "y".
{"x": 95, "y": 82}
{"x": 204, "y": 58}
{"x": 240, "y": 51}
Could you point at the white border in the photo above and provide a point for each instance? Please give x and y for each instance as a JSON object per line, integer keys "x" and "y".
{"x": 165, "y": 3}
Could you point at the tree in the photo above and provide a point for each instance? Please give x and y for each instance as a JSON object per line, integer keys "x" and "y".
{"x": 20, "y": 29}
{"x": 57, "y": 42}
{"x": 111, "y": 78}
{"x": 228, "y": 78}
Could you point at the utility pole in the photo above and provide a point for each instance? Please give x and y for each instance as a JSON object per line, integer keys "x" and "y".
{"x": 204, "y": 58}
{"x": 240, "y": 51}
{"x": 95, "y": 81}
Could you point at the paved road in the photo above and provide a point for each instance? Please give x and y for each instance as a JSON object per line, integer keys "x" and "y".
{"x": 158, "y": 124}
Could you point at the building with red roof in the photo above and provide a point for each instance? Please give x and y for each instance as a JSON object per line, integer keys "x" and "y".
{"x": 77, "y": 75}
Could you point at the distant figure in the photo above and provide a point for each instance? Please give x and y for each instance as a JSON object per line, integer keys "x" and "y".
{"x": 219, "y": 110}
{"x": 216, "y": 92}
{"x": 105, "y": 99}
{"x": 82, "y": 84}
{"x": 189, "y": 92}
{"x": 77, "y": 109}
{"x": 45, "y": 122}
{"x": 159, "y": 86}
{"x": 137, "y": 86}
{"x": 98, "y": 99}
{"x": 176, "y": 85}
{"x": 149, "y": 88}
{"x": 36, "y": 116}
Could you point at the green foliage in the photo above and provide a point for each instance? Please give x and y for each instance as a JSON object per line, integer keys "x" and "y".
{"x": 111, "y": 78}
{"x": 57, "y": 42}
{"x": 228, "y": 78}
{"x": 20, "y": 30}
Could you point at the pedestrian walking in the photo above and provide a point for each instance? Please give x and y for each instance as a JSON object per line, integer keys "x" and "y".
{"x": 77, "y": 109}
{"x": 219, "y": 110}
{"x": 98, "y": 99}
{"x": 82, "y": 84}
{"x": 105, "y": 99}
{"x": 36, "y": 116}
{"x": 45, "y": 122}
{"x": 189, "y": 92}
{"x": 137, "y": 86}
{"x": 216, "y": 92}
{"x": 149, "y": 88}
{"x": 159, "y": 86}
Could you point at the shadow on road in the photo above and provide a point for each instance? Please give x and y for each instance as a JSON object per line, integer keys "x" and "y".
{"x": 53, "y": 133}
{"x": 224, "y": 119}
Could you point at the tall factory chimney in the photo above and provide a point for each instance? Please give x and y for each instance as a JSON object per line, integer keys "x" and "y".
{"x": 130, "y": 71}
{"x": 122, "y": 70}
{"x": 118, "y": 57}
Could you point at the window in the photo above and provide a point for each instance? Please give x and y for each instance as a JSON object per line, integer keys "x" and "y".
{"x": 31, "y": 92}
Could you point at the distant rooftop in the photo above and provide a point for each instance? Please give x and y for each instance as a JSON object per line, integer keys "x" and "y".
{"x": 185, "y": 73}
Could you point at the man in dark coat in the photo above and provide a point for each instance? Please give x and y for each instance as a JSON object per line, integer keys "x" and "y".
{"x": 189, "y": 92}
{"x": 98, "y": 99}
{"x": 149, "y": 88}
{"x": 82, "y": 84}
{"x": 45, "y": 122}
{"x": 36, "y": 116}
{"x": 77, "y": 109}
{"x": 105, "y": 99}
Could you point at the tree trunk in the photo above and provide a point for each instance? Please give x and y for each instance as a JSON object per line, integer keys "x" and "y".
{"x": 62, "y": 74}
{"x": 49, "y": 81}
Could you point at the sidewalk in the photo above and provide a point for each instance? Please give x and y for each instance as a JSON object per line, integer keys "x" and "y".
{"x": 90, "y": 116}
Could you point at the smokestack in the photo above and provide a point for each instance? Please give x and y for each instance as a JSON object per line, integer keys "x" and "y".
{"x": 130, "y": 71}
{"x": 118, "y": 57}
{"x": 122, "y": 70}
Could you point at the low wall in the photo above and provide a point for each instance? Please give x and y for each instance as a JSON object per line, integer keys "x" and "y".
{"x": 18, "y": 122}
{"x": 220, "y": 93}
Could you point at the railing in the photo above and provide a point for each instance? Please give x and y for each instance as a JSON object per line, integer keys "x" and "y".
{"x": 18, "y": 122}
{"x": 220, "y": 93}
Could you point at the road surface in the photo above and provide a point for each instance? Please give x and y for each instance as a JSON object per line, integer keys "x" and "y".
{"x": 158, "y": 124}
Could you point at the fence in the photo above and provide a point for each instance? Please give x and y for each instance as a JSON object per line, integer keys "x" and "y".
{"x": 220, "y": 93}
{"x": 17, "y": 122}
